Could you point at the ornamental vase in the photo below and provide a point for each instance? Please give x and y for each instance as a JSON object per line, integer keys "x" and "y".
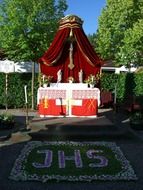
{"x": 91, "y": 85}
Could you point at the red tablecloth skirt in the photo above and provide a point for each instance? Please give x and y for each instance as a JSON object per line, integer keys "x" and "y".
{"x": 89, "y": 108}
{"x": 49, "y": 107}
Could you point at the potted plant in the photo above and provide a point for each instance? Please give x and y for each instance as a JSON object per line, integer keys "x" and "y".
{"x": 136, "y": 120}
{"x": 93, "y": 80}
{"x": 46, "y": 80}
{"x": 6, "y": 121}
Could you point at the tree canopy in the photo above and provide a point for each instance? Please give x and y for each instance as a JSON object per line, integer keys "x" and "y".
{"x": 92, "y": 38}
{"x": 120, "y": 36}
{"x": 27, "y": 27}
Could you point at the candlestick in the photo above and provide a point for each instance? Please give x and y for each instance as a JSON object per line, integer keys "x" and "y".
{"x": 25, "y": 90}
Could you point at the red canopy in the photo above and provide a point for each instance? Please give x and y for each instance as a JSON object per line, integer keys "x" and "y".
{"x": 70, "y": 52}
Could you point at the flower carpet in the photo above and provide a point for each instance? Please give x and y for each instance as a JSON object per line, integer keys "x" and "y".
{"x": 71, "y": 161}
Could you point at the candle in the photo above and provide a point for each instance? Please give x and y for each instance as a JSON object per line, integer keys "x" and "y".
{"x": 25, "y": 90}
{"x": 43, "y": 78}
{"x": 92, "y": 79}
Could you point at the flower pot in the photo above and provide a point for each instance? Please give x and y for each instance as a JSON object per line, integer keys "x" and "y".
{"x": 45, "y": 85}
{"x": 6, "y": 124}
{"x": 136, "y": 125}
{"x": 136, "y": 121}
{"x": 91, "y": 85}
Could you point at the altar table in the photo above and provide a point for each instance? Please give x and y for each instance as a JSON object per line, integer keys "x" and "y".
{"x": 68, "y": 102}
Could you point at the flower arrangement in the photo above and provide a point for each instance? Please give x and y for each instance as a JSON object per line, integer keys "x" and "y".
{"x": 46, "y": 79}
{"x": 70, "y": 79}
{"x": 136, "y": 120}
{"x": 6, "y": 120}
{"x": 105, "y": 152}
{"x": 93, "y": 79}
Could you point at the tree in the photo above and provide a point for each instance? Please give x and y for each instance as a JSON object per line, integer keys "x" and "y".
{"x": 27, "y": 28}
{"x": 132, "y": 51}
{"x": 92, "y": 38}
{"x": 120, "y": 35}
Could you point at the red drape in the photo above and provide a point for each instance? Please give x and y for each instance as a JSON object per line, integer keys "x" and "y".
{"x": 56, "y": 47}
{"x": 57, "y": 56}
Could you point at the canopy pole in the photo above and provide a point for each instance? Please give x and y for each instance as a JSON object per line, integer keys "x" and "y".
{"x": 6, "y": 91}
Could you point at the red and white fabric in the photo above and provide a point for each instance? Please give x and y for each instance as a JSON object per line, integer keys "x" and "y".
{"x": 69, "y": 102}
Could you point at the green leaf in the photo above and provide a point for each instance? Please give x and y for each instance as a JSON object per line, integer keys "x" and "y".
{"x": 120, "y": 35}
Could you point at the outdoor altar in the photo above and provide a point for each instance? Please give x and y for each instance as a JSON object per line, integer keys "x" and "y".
{"x": 65, "y": 99}
{"x": 69, "y": 67}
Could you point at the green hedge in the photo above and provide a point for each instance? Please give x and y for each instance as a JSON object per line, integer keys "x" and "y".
{"x": 15, "y": 95}
{"x": 127, "y": 84}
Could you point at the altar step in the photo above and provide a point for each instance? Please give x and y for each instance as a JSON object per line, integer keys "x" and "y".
{"x": 56, "y": 128}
